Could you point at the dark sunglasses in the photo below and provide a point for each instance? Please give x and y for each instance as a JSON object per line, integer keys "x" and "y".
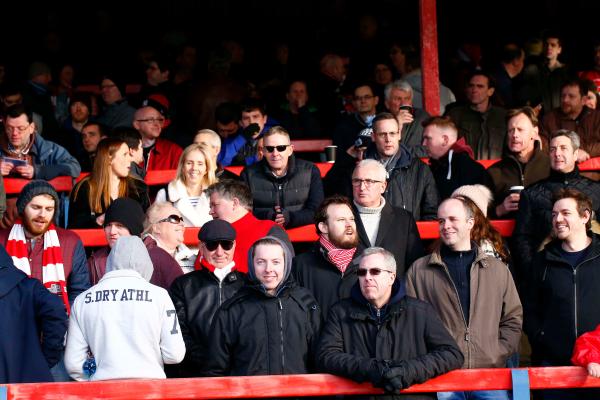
{"x": 213, "y": 244}
{"x": 372, "y": 271}
{"x": 173, "y": 218}
{"x": 279, "y": 148}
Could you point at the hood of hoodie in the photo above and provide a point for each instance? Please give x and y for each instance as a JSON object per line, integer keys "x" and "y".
{"x": 287, "y": 267}
{"x": 461, "y": 146}
{"x": 130, "y": 253}
{"x": 10, "y": 276}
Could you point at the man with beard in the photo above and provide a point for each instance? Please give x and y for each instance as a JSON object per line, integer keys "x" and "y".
{"x": 50, "y": 254}
{"x": 329, "y": 270}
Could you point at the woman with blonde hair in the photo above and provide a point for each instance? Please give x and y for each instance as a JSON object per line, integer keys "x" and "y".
{"x": 195, "y": 173}
{"x": 109, "y": 180}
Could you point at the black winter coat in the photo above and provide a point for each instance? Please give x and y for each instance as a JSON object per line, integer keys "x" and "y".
{"x": 534, "y": 218}
{"x": 197, "y": 296}
{"x": 463, "y": 171}
{"x": 33, "y": 323}
{"x": 561, "y": 303}
{"x": 257, "y": 334}
{"x": 411, "y": 186}
{"x": 313, "y": 271}
{"x": 397, "y": 234}
{"x": 358, "y": 345}
{"x": 299, "y": 193}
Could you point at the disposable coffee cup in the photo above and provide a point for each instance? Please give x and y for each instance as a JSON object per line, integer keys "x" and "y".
{"x": 516, "y": 189}
{"x": 330, "y": 153}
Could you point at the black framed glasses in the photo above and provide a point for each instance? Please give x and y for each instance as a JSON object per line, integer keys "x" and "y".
{"x": 173, "y": 219}
{"x": 372, "y": 271}
{"x": 368, "y": 182}
{"x": 279, "y": 148}
{"x": 212, "y": 245}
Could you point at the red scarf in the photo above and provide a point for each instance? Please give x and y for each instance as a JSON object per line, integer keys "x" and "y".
{"x": 338, "y": 257}
{"x": 202, "y": 263}
{"x": 53, "y": 271}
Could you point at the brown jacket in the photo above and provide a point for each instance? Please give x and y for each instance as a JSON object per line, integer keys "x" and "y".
{"x": 495, "y": 316}
{"x": 508, "y": 172}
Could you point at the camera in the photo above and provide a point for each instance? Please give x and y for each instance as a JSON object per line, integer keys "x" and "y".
{"x": 364, "y": 138}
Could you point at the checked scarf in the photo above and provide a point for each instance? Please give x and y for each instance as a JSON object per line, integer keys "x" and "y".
{"x": 338, "y": 257}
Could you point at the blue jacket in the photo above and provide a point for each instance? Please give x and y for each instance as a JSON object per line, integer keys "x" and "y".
{"x": 237, "y": 143}
{"x": 51, "y": 160}
{"x": 28, "y": 312}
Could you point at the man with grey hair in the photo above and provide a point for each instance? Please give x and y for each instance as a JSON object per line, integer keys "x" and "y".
{"x": 140, "y": 317}
{"x": 377, "y": 310}
{"x": 534, "y": 218}
{"x": 376, "y": 219}
{"x": 473, "y": 293}
{"x": 399, "y": 101}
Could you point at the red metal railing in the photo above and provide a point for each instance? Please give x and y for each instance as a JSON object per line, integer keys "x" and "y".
{"x": 298, "y": 385}
{"x": 153, "y": 178}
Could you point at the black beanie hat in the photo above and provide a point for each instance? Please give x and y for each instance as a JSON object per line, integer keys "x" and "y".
{"x": 35, "y": 188}
{"x": 128, "y": 212}
{"x": 117, "y": 79}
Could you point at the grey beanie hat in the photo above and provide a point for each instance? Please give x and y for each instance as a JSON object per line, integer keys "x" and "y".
{"x": 287, "y": 253}
{"x": 35, "y": 188}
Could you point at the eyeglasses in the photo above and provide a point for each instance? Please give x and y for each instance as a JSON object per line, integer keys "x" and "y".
{"x": 173, "y": 218}
{"x": 279, "y": 148}
{"x": 212, "y": 245}
{"x": 11, "y": 129}
{"x": 152, "y": 120}
{"x": 372, "y": 271}
{"x": 382, "y": 134}
{"x": 368, "y": 182}
{"x": 361, "y": 98}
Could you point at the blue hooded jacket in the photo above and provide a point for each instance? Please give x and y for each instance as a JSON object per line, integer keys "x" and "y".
{"x": 28, "y": 312}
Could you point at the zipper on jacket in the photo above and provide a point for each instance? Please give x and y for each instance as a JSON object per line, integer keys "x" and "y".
{"x": 220, "y": 292}
{"x": 281, "y": 335}
{"x": 575, "y": 298}
{"x": 467, "y": 337}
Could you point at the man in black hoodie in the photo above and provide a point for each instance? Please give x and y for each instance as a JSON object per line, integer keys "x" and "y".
{"x": 376, "y": 312}
{"x": 29, "y": 312}
{"x": 270, "y": 327}
{"x": 451, "y": 158}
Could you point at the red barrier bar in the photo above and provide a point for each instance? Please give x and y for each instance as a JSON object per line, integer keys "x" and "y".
{"x": 311, "y": 145}
{"x": 427, "y": 230}
{"x": 593, "y": 164}
{"x": 130, "y": 88}
{"x": 293, "y": 385}
{"x": 60, "y": 183}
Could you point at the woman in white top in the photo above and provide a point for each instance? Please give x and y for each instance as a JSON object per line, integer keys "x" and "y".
{"x": 195, "y": 173}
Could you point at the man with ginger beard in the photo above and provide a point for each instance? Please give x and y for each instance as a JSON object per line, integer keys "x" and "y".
{"x": 329, "y": 269}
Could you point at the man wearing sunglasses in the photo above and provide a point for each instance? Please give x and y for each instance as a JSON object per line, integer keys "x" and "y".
{"x": 284, "y": 189}
{"x": 379, "y": 311}
{"x": 125, "y": 217}
{"x": 473, "y": 293}
{"x": 199, "y": 294}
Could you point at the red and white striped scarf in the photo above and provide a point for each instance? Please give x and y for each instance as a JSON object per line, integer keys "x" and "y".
{"x": 338, "y": 257}
{"x": 53, "y": 271}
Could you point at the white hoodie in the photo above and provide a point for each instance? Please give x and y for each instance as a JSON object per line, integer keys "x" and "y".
{"x": 129, "y": 325}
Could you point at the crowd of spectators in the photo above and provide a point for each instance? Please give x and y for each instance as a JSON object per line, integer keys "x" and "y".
{"x": 369, "y": 300}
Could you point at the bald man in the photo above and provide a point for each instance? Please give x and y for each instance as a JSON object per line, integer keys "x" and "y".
{"x": 159, "y": 153}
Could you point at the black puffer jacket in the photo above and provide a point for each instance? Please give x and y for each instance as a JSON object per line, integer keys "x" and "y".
{"x": 534, "y": 218}
{"x": 358, "y": 345}
{"x": 257, "y": 334}
{"x": 197, "y": 296}
{"x": 299, "y": 193}
{"x": 561, "y": 302}
{"x": 313, "y": 271}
